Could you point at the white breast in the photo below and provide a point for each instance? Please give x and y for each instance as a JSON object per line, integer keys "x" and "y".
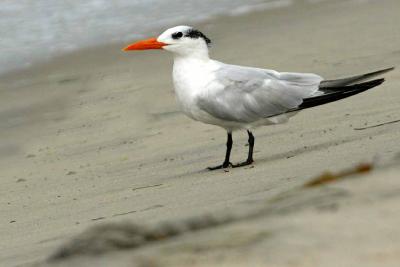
{"x": 194, "y": 78}
{"x": 191, "y": 77}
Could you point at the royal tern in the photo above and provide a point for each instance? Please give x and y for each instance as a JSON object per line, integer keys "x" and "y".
{"x": 236, "y": 97}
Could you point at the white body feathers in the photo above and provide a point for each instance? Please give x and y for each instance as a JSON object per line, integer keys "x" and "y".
{"x": 233, "y": 97}
{"x": 236, "y": 97}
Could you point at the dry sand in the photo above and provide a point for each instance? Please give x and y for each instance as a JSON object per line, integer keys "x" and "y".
{"x": 96, "y": 137}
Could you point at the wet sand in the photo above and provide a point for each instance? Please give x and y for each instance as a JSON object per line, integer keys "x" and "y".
{"x": 96, "y": 137}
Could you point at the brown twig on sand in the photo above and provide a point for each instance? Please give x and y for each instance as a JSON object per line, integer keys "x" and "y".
{"x": 328, "y": 177}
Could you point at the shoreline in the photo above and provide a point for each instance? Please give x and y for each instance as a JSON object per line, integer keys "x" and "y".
{"x": 238, "y": 12}
{"x": 102, "y": 24}
{"x": 207, "y": 25}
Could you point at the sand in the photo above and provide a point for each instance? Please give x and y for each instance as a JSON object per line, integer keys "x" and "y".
{"x": 96, "y": 136}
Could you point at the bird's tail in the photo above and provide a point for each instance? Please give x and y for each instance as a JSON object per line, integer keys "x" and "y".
{"x": 328, "y": 84}
{"x": 337, "y": 93}
{"x": 333, "y": 90}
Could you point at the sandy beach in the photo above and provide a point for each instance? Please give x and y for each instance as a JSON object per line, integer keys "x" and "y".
{"x": 95, "y": 137}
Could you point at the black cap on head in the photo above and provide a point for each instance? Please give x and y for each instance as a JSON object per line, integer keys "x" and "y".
{"x": 193, "y": 33}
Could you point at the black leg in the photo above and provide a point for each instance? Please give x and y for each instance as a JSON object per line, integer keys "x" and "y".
{"x": 250, "y": 155}
{"x": 226, "y": 163}
{"x": 251, "y": 147}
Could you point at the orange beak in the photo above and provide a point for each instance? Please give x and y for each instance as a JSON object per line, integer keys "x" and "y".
{"x": 151, "y": 43}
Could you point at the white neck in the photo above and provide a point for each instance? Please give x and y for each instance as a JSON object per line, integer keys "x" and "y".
{"x": 199, "y": 54}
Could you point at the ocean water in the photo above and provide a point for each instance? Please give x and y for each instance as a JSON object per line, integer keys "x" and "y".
{"x": 35, "y": 30}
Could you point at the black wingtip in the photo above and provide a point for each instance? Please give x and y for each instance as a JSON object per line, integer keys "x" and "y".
{"x": 367, "y": 85}
{"x": 339, "y": 93}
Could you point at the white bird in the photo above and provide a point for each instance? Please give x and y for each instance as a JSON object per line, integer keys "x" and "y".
{"x": 236, "y": 97}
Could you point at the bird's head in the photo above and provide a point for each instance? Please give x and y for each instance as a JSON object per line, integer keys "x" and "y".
{"x": 180, "y": 40}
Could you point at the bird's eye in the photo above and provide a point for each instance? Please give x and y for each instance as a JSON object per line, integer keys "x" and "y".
{"x": 177, "y": 35}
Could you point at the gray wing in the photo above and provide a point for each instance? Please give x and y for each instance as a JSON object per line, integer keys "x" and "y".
{"x": 245, "y": 95}
{"x": 354, "y": 79}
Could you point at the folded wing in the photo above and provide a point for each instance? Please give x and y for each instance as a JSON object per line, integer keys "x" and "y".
{"x": 245, "y": 95}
